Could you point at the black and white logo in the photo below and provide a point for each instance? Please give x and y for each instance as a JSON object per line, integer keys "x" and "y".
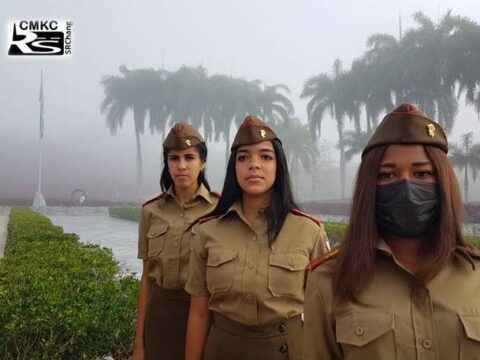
{"x": 40, "y": 37}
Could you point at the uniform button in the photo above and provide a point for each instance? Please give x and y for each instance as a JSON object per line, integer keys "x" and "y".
{"x": 250, "y": 265}
{"x": 174, "y": 261}
{"x": 182, "y": 215}
{"x": 291, "y": 263}
{"x": 427, "y": 344}
{"x": 282, "y": 327}
{"x": 254, "y": 238}
{"x": 216, "y": 258}
{"x": 283, "y": 349}
{"x": 249, "y": 298}
{"x": 359, "y": 331}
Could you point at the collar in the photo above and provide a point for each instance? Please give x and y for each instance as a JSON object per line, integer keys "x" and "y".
{"x": 202, "y": 192}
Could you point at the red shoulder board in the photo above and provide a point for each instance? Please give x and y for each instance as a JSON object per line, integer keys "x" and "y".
{"x": 321, "y": 259}
{"x": 153, "y": 199}
{"x": 205, "y": 219}
{"x": 301, "y": 213}
{"x": 215, "y": 193}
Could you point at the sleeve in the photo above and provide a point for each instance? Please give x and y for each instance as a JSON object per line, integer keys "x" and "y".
{"x": 143, "y": 226}
{"x": 319, "y": 334}
{"x": 196, "y": 284}
{"x": 320, "y": 246}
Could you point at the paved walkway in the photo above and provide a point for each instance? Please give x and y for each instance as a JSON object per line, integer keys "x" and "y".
{"x": 3, "y": 233}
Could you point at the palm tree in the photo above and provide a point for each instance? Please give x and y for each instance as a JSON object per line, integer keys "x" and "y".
{"x": 464, "y": 157}
{"x": 132, "y": 90}
{"x": 275, "y": 107}
{"x": 300, "y": 148}
{"x": 325, "y": 93}
{"x": 355, "y": 142}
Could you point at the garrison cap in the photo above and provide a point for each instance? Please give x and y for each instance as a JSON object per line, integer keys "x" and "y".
{"x": 182, "y": 136}
{"x": 253, "y": 130}
{"x": 407, "y": 125}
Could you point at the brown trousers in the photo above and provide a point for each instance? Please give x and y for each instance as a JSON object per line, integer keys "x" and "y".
{"x": 231, "y": 340}
{"x": 166, "y": 324}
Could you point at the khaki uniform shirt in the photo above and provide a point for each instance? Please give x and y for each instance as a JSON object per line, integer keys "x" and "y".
{"x": 444, "y": 325}
{"x": 165, "y": 235}
{"x": 246, "y": 280}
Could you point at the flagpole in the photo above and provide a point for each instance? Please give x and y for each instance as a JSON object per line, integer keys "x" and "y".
{"x": 39, "y": 200}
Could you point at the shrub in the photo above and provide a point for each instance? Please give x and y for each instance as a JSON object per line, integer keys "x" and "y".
{"x": 60, "y": 299}
{"x": 132, "y": 213}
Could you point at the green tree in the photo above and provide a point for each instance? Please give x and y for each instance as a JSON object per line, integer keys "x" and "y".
{"x": 355, "y": 142}
{"x": 326, "y": 94}
{"x": 134, "y": 90}
{"x": 465, "y": 157}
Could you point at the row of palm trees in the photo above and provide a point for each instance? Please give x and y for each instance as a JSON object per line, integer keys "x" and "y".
{"x": 212, "y": 102}
{"x": 432, "y": 65}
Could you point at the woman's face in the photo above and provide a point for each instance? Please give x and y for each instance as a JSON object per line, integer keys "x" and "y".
{"x": 255, "y": 167}
{"x": 184, "y": 167}
{"x": 405, "y": 162}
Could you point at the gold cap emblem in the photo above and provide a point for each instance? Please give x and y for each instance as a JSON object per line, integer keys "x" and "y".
{"x": 431, "y": 130}
{"x": 263, "y": 133}
{"x": 188, "y": 142}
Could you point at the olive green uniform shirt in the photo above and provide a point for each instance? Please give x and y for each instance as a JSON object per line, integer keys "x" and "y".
{"x": 246, "y": 280}
{"x": 444, "y": 323}
{"x": 165, "y": 234}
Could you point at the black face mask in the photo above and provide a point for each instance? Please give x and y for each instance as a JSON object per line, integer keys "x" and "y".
{"x": 407, "y": 208}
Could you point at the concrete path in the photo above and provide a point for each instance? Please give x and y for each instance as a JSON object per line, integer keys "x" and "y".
{"x": 3, "y": 233}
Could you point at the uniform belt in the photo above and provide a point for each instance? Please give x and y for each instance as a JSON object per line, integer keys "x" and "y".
{"x": 283, "y": 327}
{"x": 169, "y": 293}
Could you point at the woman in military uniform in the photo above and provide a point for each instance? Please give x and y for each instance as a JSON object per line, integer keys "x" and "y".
{"x": 403, "y": 284}
{"x": 248, "y": 262}
{"x": 164, "y": 245}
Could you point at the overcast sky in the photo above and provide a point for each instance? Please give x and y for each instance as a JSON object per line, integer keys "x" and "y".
{"x": 275, "y": 41}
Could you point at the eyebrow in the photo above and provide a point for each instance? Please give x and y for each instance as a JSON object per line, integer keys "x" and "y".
{"x": 261, "y": 150}
{"x": 417, "y": 163}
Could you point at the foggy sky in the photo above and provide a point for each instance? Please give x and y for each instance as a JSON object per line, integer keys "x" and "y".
{"x": 274, "y": 41}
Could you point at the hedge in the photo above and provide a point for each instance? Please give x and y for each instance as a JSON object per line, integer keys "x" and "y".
{"x": 125, "y": 213}
{"x": 60, "y": 299}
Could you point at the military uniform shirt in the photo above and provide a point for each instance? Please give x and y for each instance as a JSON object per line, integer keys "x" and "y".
{"x": 165, "y": 235}
{"x": 443, "y": 324}
{"x": 246, "y": 280}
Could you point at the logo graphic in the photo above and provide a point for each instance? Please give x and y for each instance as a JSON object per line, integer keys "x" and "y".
{"x": 431, "y": 130}
{"x": 263, "y": 133}
{"x": 40, "y": 37}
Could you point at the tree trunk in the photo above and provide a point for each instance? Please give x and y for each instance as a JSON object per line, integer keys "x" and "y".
{"x": 227, "y": 142}
{"x": 341, "y": 146}
{"x": 465, "y": 183}
{"x": 139, "y": 155}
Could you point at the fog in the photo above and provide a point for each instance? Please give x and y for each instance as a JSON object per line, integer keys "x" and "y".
{"x": 274, "y": 41}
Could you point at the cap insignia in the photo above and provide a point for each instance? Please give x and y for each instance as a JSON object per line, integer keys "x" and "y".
{"x": 431, "y": 130}
{"x": 263, "y": 133}
{"x": 188, "y": 142}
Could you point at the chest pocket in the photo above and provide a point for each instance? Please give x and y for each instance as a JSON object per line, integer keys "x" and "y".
{"x": 470, "y": 341}
{"x": 220, "y": 269}
{"x": 366, "y": 334}
{"x": 286, "y": 274}
{"x": 156, "y": 239}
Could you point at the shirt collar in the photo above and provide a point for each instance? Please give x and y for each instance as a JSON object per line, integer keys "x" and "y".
{"x": 202, "y": 192}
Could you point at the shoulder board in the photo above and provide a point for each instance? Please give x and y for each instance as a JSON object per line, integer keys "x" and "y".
{"x": 215, "y": 193}
{"x": 205, "y": 219}
{"x": 153, "y": 199}
{"x": 324, "y": 258}
{"x": 301, "y": 213}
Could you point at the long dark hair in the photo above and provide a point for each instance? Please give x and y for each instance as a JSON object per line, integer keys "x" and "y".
{"x": 355, "y": 265}
{"x": 166, "y": 180}
{"x": 282, "y": 197}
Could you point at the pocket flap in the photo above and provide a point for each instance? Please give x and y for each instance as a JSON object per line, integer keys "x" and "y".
{"x": 292, "y": 262}
{"x": 157, "y": 230}
{"x": 219, "y": 257}
{"x": 471, "y": 324}
{"x": 358, "y": 328}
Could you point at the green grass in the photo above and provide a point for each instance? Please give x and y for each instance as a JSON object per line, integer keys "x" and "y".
{"x": 132, "y": 214}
